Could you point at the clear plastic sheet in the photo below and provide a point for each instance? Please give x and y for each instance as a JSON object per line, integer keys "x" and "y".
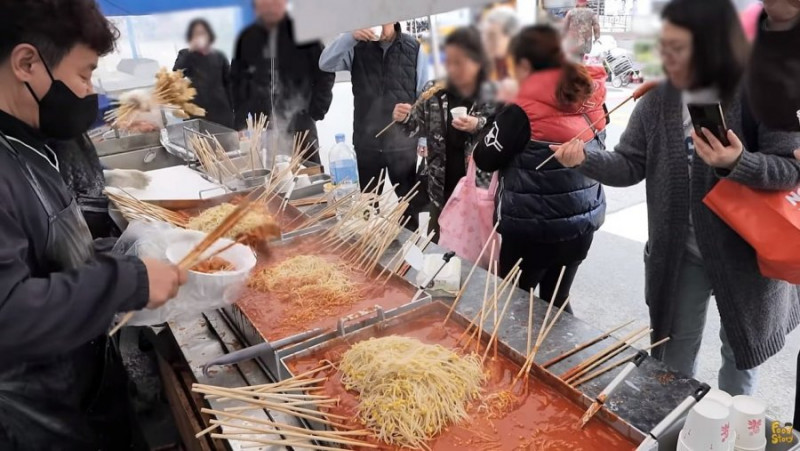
{"x": 202, "y": 292}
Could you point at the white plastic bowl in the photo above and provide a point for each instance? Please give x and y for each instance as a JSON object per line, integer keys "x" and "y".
{"x": 222, "y": 285}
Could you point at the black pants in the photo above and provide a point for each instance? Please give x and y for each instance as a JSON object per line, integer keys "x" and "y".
{"x": 797, "y": 397}
{"x": 542, "y": 264}
{"x": 401, "y": 167}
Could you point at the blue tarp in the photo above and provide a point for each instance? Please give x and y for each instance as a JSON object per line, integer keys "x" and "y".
{"x": 145, "y": 7}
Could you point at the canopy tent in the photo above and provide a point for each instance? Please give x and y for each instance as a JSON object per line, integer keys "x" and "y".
{"x": 145, "y": 7}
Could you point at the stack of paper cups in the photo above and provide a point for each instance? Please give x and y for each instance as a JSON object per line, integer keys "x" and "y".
{"x": 707, "y": 427}
{"x": 749, "y": 421}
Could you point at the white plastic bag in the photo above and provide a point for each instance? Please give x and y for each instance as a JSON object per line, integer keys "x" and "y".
{"x": 202, "y": 292}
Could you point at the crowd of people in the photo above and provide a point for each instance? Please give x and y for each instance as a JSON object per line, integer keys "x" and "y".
{"x": 528, "y": 98}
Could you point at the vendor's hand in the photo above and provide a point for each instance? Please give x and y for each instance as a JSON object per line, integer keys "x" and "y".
{"x": 365, "y": 35}
{"x": 467, "y": 124}
{"x": 797, "y": 154}
{"x": 570, "y": 154}
{"x": 714, "y": 153}
{"x": 401, "y": 112}
{"x": 164, "y": 279}
{"x": 141, "y": 126}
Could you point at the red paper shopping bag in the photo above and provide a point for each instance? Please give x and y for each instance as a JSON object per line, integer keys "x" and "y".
{"x": 768, "y": 220}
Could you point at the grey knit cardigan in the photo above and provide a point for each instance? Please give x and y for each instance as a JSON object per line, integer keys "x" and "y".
{"x": 757, "y": 312}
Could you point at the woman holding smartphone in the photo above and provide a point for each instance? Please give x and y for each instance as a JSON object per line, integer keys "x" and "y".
{"x": 691, "y": 253}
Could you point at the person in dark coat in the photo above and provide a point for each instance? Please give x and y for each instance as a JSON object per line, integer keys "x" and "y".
{"x": 273, "y": 74}
{"x": 449, "y": 141}
{"x": 547, "y": 215}
{"x": 209, "y": 71}
{"x": 386, "y": 70}
{"x": 59, "y": 290}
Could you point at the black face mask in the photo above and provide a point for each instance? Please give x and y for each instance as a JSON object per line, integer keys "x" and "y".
{"x": 62, "y": 114}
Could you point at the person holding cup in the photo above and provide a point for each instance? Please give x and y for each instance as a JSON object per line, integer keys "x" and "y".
{"x": 450, "y": 119}
{"x": 548, "y": 214}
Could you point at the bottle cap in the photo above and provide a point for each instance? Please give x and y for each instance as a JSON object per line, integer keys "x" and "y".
{"x": 339, "y": 138}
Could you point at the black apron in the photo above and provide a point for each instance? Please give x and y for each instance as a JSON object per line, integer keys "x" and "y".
{"x": 76, "y": 401}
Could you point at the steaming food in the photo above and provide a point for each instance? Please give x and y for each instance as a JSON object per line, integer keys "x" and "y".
{"x": 410, "y": 391}
{"x": 257, "y": 224}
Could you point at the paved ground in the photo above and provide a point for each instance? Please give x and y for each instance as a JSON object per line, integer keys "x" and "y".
{"x": 610, "y": 287}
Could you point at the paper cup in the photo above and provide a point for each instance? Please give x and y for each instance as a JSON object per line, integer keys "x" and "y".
{"x": 459, "y": 112}
{"x": 378, "y": 30}
{"x": 749, "y": 420}
{"x": 707, "y": 427}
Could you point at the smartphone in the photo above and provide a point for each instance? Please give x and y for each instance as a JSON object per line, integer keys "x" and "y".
{"x": 709, "y": 116}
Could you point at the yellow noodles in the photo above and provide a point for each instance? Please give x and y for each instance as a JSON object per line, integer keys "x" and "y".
{"x": 310, "y": 283}
{"x": 410, "y": 391}
{"x": 253, "y": 223}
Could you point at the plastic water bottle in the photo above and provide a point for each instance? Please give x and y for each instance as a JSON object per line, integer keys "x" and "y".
{"x": 344, "y": 170}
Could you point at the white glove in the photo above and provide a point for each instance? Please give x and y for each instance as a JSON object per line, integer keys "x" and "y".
{"x": 126, "y": 178}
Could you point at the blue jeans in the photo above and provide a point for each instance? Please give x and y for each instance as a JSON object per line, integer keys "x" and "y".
{"x": 689, "y": 320}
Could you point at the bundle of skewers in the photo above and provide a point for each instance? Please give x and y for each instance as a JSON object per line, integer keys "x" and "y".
{"x": 242, "y": 423}
{"x": 172, "y": 91}
{"x": 133, "y": 209}
{"x": 424, "y": 97}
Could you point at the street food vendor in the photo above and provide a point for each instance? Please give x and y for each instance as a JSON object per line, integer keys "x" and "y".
{"x": 58, "y": 294}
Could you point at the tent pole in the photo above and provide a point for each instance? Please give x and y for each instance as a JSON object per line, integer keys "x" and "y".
{"x": 131, "y": 37}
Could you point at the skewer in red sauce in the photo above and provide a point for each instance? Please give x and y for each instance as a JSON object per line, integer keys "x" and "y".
{"x": 276, "y": 319}
{"x": 542, "y": 419}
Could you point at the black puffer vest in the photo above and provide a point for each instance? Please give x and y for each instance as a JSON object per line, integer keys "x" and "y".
{"x": 551, "y": 205}
{"x": 379, "y": 83}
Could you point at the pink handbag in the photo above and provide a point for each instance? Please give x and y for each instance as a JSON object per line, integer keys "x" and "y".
{"x": 467, "y": 221}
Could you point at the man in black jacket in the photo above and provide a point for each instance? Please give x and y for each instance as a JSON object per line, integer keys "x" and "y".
{"x": 386, "y": 69}
{"x": 274, "y": 75}
{"x": 58, "y": 290}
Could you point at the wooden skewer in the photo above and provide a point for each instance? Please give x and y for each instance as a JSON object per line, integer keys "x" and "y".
{"x": 469, "y": 276}
{"x": 503, "y": 285}
{"x": 585, "y": 345}
{"x": 611, "y": 366}
{"x": 299, "y": 412}
{"x": 385, "y": 129}
{"x": 627, "y": 344}
{"x": 483, "y": 311}
{"x": 307, "y": 434}
{"x": 266, "y": 422}
{"x": 642, "y": 90}
{"x": 502, "y": 315}
{"x": 602, "y": 352}
{"x": 543, "y": 331}
{"x": 530, "y": 322}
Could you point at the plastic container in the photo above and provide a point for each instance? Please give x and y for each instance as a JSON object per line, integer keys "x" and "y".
{"x": 459, "y": 112}
{"x": 225, "y": 285}
{"x": 344, "y": 170}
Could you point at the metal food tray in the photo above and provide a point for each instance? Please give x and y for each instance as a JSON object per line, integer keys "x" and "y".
{"x": 438, "y": 309}
{"x": 177, "y": 137}
{"x": 271, "y": 362}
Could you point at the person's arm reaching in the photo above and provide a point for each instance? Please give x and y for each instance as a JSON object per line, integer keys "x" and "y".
{"x": 423, "y": 71}
{"x": 501, "y": 140}
{"x": 182, "y": 62}
{"x": 338, "y": 56}
{"x": 322, "y": 87}
{"x": 626, "y": 165}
